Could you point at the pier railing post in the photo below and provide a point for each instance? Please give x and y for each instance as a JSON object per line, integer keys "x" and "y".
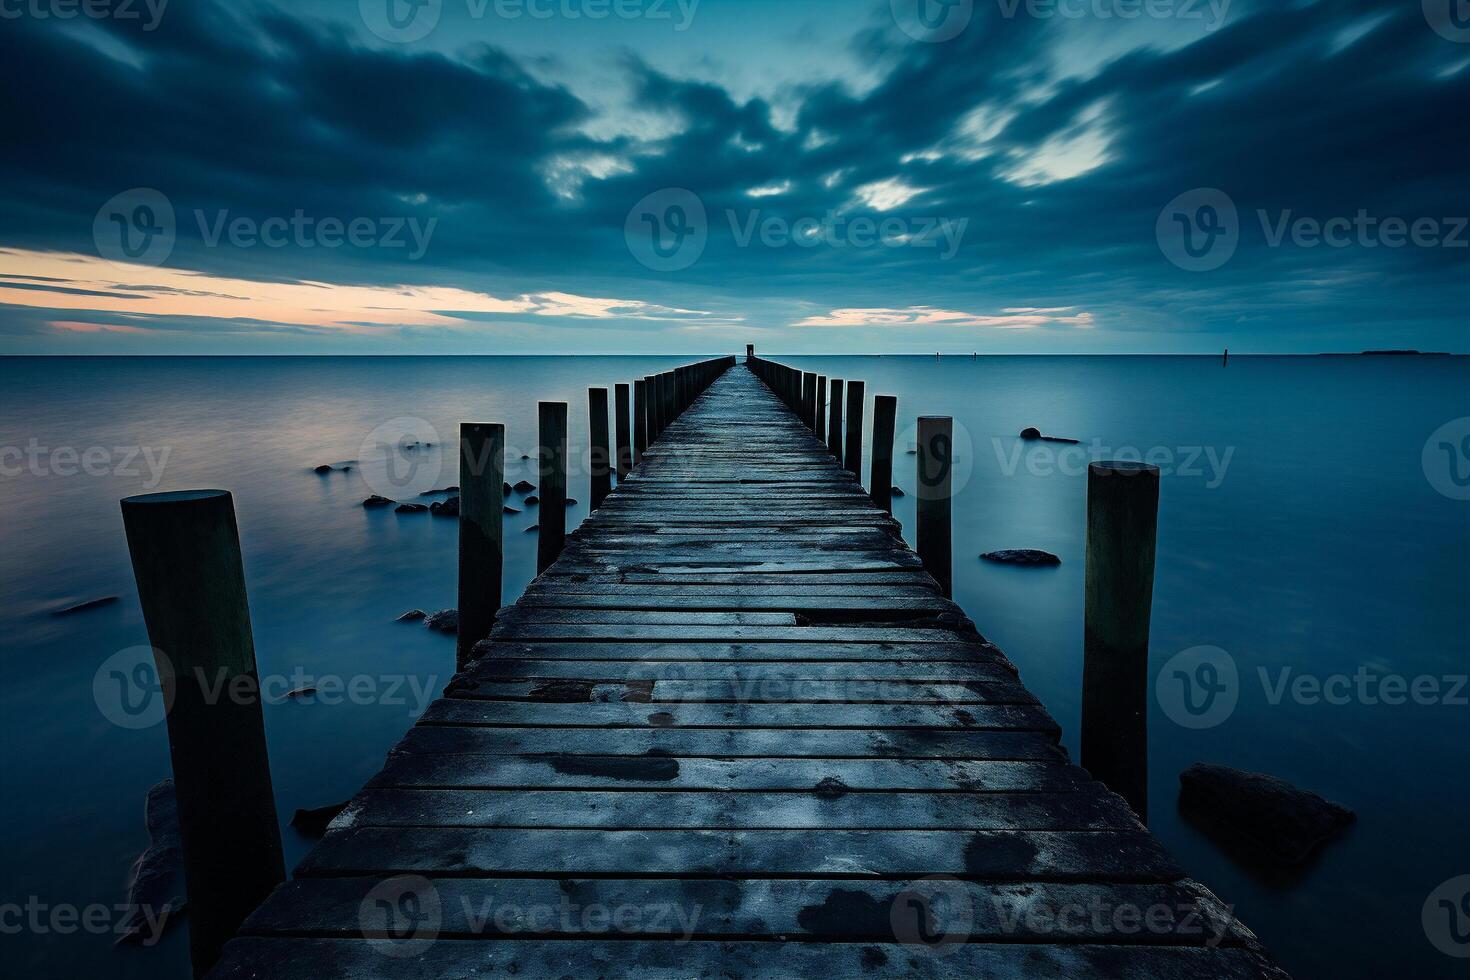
{"x": 885, "y": 413}
{"x": 623, "y": 431}
{"x": 853, "y": 458}
{"x": 553, "y": 464}
{"x": 185, "y": 550}
{"x": 809, "y": 399}
{"x": 481, "y": 533}
{"x": 1122, "y": 531}
{"x": 819, "y": 416}
{"x": 834, "y": 419}
{"x": 640, "y": 420}
{"x": 932, "y": 507}
{"x": 600, "y": 462}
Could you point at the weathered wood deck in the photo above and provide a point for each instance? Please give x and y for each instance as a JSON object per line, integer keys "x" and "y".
{"x": 734, "y": 731}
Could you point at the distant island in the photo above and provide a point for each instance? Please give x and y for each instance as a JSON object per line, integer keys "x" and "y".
{"x": 1389, "y": 353}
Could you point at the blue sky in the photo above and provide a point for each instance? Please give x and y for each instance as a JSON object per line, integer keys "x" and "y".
{"x": 680, "y": 176}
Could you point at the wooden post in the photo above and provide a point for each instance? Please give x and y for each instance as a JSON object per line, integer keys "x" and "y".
{"x": 749, "y": 352}
{"x": 809, "y": 399}
{"x": 932, "y": 508}
{"x": 640, "y": 420}
{"x": 853, "y": 459}
{"x": 885, "y": 411}
{"x": 834, "y": 419}
{"x": 481, "y": 533}
{"x": 623, "y": 432}
{"x": 820, "y": 419}
{"x": 1122, "y": 526}
{"x": 553, "y": 458}
{"x": 600, "y": 465}
{"x": 185, "y": 548}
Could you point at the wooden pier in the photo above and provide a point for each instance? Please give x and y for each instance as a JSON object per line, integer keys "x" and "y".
{"x": 737, "y": 730}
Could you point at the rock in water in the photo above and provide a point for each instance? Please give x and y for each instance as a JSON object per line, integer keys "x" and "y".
{"x": 532, "y": 500}
{"x": 324, "y": 468}
{"x": 313, "y": 823}
{"x": 106, "y": 600}
{"x": 506, "y": 488}
{"x": 410, "y": 509}
{"x": 156, "y": 891}
{"x": 1030, "y": 433}
{"x": 443, "y": 621}
{"x": 571, "y": 501}
{"x": 447, "y": 508}
{"x": 412, "y": 616}
{"x": 524, "y": 486}
{"x": 509, "y": 510}
{"x": 1022, "y": 556}
{"x": 376, "y": 501}
{"x": 895, "y": 491}
{"x": 1280, "y": 820}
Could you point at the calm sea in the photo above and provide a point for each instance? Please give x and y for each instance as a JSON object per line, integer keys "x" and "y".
{"x": 1308, "y": 527}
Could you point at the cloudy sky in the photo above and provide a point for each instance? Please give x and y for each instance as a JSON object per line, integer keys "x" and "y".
{"x": 680, "y": 176}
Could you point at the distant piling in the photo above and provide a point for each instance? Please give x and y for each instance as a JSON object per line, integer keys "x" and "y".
{"x": 933, "y": 534}
{"x": 885, "y": 413}
{"x": 834, "y": 419}
{"x": 852, "y": 459}
{"x": 600, "y": 463}
{"x": 622, "y": 431}
{"x": 553, "y": 465}
{"x": 1122, "y": 530}
{"x": 481, "y": 533}
{"x": 185, "y": 550}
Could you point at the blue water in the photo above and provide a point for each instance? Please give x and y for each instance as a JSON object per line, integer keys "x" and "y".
{"x": 1303, "y": 532}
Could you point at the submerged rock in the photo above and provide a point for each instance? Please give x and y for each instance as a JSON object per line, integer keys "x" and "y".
{"x": 509, "y": 510}
{"x": 300, "y": 692}
{"x": 324, "y": 468}
{"x": 156, "y": 891}
{"x": 533, "y": 527}
{"x": 1280, "y": 820}
{"x": 505, "y": 489}
{"x": 571, "y": 501}
{"x": 410, "y": 509}
{"x": 447, "y": 508}
{"x": 412, "y": 616}
{"x": 1032, "y": 434}
{"x": 443, "y": 621}
{"x": 313, "y": 823}
{"x": 106, "y": 600}
{"x": 376, "y": 501}
{"x": 532, "y": 500}
{"x": 1022, "y": 556}
{"x": 436, "y": 493}
{"x": 524, "y": 486}
{"x": 895, "y": 491}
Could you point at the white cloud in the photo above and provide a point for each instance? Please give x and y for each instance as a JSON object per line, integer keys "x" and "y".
{"x": 885, "y": 195}
{"x": 1082, "y": 147}
{"x": 1013, "y": 318}
{"x": 770, "y": 190}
